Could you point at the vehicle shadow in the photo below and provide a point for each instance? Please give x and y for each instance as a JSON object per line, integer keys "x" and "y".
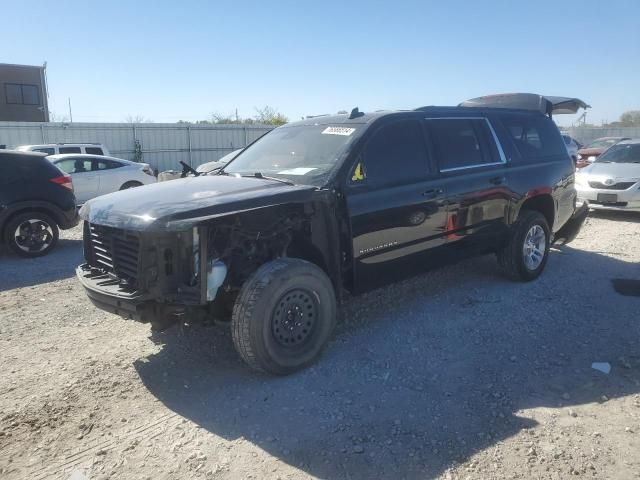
{"x": 420, "y": 375}
{"x": 18, "y": 272}
{"x": 616, "y": 216}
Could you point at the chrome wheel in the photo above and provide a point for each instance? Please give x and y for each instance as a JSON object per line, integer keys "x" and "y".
{"x": 535, "y": 247}
{"x": 33, "y": 236}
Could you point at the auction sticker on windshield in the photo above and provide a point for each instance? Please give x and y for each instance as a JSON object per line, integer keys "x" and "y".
{"x": 297, "y": 171}
{"x": 338, "y": 131}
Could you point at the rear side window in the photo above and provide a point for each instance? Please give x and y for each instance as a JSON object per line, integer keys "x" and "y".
{"x": 93, "y": 151}
{"x": 395, "y": 155}
{"x": 462, "y": 143}
{"x": 74, "y": 165}
{"x": 534, "y": 136}
{"x": 106, "y": 164}
{"x": 69, "y": 150}
{"x": 10, "y": 170}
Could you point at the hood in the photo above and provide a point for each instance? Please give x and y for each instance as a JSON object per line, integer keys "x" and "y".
{"x": 615, "y": 171}
{"x": 586, "y": 152}
{"x": 181, "y": 204}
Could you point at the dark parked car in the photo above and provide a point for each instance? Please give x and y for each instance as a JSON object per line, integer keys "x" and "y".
{"x": 587, "y": 155}
{"x": 36, "y": 199}
{"x": 329, "y": 204}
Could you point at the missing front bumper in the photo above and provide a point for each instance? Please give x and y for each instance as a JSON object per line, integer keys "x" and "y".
{"x": 106, "y": 294}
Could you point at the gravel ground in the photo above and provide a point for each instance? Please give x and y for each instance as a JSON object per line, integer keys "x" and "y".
{"x": 457, "y": 373}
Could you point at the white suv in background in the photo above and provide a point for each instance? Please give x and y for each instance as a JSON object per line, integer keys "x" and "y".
{"x": 62, "y": 148}
{"x": 95, "y": 175}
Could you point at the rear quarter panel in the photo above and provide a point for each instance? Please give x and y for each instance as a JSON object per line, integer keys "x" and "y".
{"x": 551, "y": 175}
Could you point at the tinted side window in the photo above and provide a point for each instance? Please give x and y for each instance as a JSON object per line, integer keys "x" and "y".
{"x": 534, "y": 136}
{"x": 9, "y": 169}
{"x": 462, "y": 143}
{"x": 69, "y": 150}
{"x": 396, "y": 154}
{"x": 93, "y": 151}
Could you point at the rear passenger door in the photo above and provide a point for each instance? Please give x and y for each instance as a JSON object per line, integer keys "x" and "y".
{"x": 395, "y": 203}
{"x": 474, "y": 175}
{"x": 110, "y": 173}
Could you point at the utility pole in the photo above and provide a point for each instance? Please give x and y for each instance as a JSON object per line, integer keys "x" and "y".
{"x": 70, "y": 114}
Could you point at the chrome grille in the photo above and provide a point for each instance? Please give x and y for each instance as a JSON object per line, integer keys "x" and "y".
{"x": 616, "y": 186}
{"x": 115, "y": 251}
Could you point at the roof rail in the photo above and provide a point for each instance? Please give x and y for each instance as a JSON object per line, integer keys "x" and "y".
{"x": 78, "y": 143}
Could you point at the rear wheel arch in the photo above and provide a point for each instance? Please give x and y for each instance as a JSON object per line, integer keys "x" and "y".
{"x": 542, "y": 203}
{"x": 131, "y": 184}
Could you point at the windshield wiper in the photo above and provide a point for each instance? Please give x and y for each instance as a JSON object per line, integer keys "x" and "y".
{"x": 259, "y": 175}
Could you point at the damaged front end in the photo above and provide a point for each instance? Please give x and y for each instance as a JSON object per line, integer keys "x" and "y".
{"x": 147, "y": 276}
{"x": 159, "y": 277}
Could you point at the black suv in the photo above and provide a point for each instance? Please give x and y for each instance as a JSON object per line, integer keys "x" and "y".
{"x": 325, "y": 205}
{"x": 36, "y": 199}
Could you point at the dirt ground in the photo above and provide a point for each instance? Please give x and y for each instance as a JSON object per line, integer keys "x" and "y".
{"x": 457, "y": 373}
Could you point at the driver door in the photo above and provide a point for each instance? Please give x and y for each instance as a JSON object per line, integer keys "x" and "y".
{"x": 396, "y": 205}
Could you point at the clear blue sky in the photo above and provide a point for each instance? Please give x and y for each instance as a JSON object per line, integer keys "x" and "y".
{"x": 169, "y": 60}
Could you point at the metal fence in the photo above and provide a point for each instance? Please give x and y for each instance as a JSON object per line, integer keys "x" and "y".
{"x": 586, "y": 135}
{"x": 163, "y": 144}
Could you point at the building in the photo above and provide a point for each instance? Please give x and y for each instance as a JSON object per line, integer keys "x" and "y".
{"x": 23, "y": 93}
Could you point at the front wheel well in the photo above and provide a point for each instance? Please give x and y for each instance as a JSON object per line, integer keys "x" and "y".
{"x": 303, "y": 249}
{"x": 543, "y": 204}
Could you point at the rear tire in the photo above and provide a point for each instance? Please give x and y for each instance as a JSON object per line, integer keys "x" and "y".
{"x": 31, "y": 234}
{"x": 527, "y": 251}
{"x": 284, "y": 316}
{"x": 131, "y": 184}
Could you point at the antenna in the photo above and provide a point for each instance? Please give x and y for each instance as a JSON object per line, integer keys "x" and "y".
{"x": 355, "y": 113}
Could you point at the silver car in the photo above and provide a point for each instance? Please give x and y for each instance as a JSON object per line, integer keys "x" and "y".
{"x": 217, "y": 164}
{"x": 612, "y": 182}
{"x": 95, "y": 175}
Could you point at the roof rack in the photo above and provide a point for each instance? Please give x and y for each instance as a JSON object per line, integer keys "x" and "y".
{"x": 529, "y": 101}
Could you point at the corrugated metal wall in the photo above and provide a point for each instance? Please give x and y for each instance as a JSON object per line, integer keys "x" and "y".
{"x": 586, "y": 135}
{"x": 163, "y": 144}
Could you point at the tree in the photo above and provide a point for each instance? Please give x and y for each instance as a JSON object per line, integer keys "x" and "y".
{"x": 630, "y": 118}
{"x": 54, "y": 117}
{"x": 137, "y": 119}
{"x": 269, "y": 116}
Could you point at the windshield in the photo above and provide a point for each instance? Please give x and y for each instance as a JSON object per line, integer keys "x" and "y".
{"x": 603, "y": 143}
{"x": 304, "y": 154}
{"x": 621, "y": 153}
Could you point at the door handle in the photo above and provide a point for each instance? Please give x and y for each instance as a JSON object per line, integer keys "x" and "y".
{"x": 497, "y": 180}
{"x": 433, "y": 192}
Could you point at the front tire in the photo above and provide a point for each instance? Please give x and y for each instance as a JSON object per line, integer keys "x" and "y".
{"x": 526, "y": 254}
{"x": 31, "y": 234}
{"x": 284, "y": 316}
